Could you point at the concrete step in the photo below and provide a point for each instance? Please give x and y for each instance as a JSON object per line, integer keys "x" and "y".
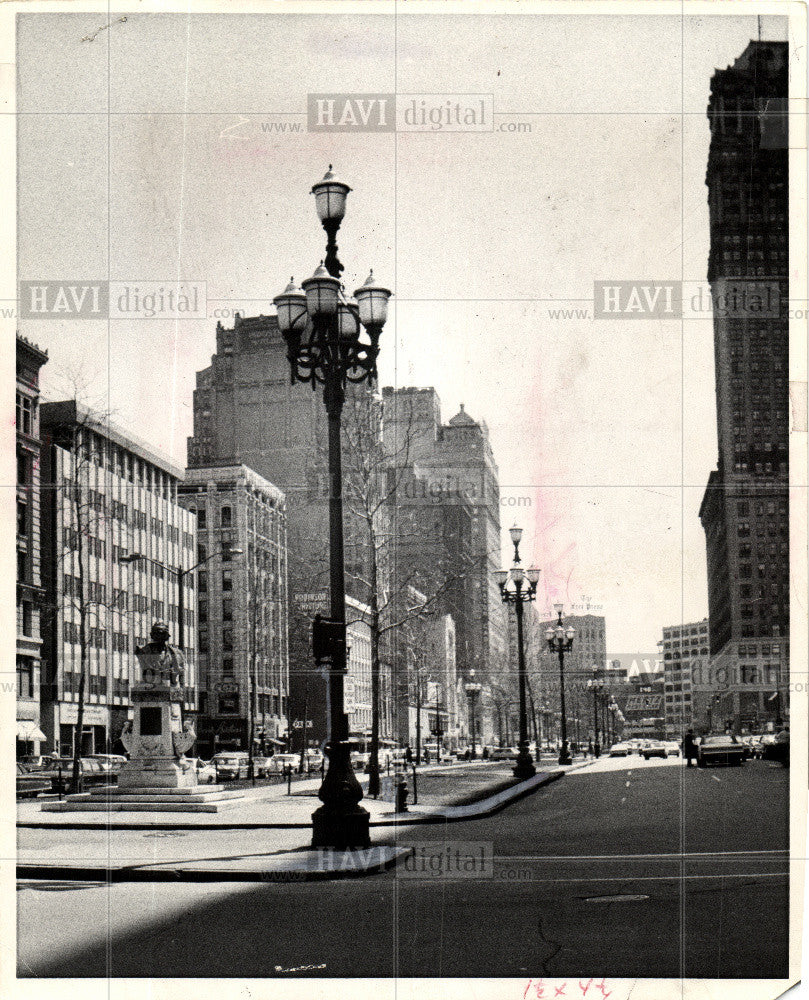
{"x": 137, "y": 797}
{"x": 142, "y": 807}
{"x": 156, "y": 790}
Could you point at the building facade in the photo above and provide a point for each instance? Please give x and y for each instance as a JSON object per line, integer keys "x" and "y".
{"x": 455, "y": 466}
{"x": 106, "y": 496}
{"x": 685, "y": 648}
{"x": 246, "y": 412}
{"x": 745, "y": 510}
{"x": 242, "y": 607}
{"x": 30, "y": 738}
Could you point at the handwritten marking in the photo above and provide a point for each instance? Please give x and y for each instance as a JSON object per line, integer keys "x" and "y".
{"x": 299, "y": 968}
{"x": 104, "y": 27}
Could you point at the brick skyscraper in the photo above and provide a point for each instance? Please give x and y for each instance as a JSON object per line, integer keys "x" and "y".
{"x": 745, "y": 510}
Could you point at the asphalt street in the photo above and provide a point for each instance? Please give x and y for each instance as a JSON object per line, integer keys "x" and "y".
{"x": 623, "y": 869}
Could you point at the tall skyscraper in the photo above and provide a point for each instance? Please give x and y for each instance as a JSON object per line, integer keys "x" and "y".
{"x": 745, "y": 510}
{"x": 455, "y": 464}
{"x": 246, "y": 412}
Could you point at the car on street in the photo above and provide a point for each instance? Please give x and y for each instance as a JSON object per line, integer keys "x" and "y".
{"x": 502, "y": 753}
{"x": 778, "y": 748}
{"x": 720, "y": 749}
{"x": 110, "y": 762}
{"x": 654, "y": 748}
{"x": 279, "y": 763}
{"x": 206, "y": 772}
{"x": 315, "y": 760}
{"x": 620, "y": 750}
{"x": 230, "y": 766}
{"x": 672, "y": 748}
{"x": 30, "y": 782}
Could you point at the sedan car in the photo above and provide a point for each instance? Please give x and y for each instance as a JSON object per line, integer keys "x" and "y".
{"x": 672, "y": 748}
{"x": 654, "y": 748}
{"x": 502, "y": 753}
{"x": 206, "y": 773}
{"x": 725, "y": 750}
{"x": 620, "y": 750}
{"x": 230, "y": 766}
{"x": 30, "y": 783}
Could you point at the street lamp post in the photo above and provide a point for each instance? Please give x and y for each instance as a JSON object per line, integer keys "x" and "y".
{"x": 596, "y": 685}
{"x": 560, "y": 641}
{"x": 473, "y": 689}
{"x": 322, "y": 329}
{"x": 519, "y": 587}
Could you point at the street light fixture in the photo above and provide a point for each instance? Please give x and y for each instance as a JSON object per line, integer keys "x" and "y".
{"x": 560, "y": 641}
{"x": 519, "y": 587}
{"x": 473, "y": 689}
{"x": 596, "y": 685}
{"x": 322, "y": 329}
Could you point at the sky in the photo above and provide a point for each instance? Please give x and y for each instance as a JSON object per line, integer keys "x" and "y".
{"x": 155, "y": 151}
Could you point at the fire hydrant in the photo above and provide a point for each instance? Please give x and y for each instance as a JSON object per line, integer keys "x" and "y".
{"x": 401, "y": 794}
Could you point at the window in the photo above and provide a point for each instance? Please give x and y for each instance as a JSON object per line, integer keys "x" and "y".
{"x": 227, "y": 639}
{"x": 226, "y": 516}
{"x": 227, "y": 609}
{"x": 227, "y": 664}
{"x": 27, "y": 618}
{"x": 25, "y": 414}
{"x": 227, "y": 579}
{"x": 22, "y": 567}
{"x": 201, "y": 518}
{"x": 22, "y": 518}
{"x": 25, "y": 677}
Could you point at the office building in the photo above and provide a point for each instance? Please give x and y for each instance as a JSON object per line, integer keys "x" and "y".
{"x": 745, "y": 510}
{"x": 106, "y": 495}
{"x": 242, "y": 609}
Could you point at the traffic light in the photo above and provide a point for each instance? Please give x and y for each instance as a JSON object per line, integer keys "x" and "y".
{"x": 328, "y": 640}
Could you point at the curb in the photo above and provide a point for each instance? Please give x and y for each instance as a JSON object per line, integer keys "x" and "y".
{"x": 179, "y": 873}
{"x": 440, "y": 814}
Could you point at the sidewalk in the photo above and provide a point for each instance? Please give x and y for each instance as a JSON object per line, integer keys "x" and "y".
{"x": 265, "y": 838}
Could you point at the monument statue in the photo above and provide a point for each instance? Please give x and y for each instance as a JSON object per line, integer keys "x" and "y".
{"x": 160, "y": 662}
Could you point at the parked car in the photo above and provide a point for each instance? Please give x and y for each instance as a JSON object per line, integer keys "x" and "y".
{"x": 620, "y": 750}
{"x": 315, "y": 760}
{"x": 278, "y": 763}
{"x": 672, "y": 748}
{"x": 110, "y": 762}
{"x": 34, "y": 762}
{"x": 502, "y": 753}
{"x": 230, "y": 766}
{"x": 654, "y": 748}
{"x": 720, "y": 749}
{"x": 359, "y": 759}
{"x": 206, "y": 772}
{"x": 30, "y": 782}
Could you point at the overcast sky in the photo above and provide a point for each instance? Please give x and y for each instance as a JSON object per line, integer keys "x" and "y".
{"x": 147, "y": 153}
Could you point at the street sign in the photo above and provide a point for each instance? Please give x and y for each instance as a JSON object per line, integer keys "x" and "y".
{"x": 298, "y": 723}
{"x": 349, "y": 695}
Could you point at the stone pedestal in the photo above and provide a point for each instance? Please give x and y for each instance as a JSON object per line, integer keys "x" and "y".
{"x": 157, "y": 741}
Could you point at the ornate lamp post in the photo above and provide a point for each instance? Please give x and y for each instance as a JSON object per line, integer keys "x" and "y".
{"x": 323, "y": 333}
{"x": 473, "y": 689}
{"x": 518, "y": 587}
{"x": 560, "y": 641}
{"x": 596, "y": 685}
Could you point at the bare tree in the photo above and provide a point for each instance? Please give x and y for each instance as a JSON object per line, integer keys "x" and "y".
{"x": 385, "y": 520}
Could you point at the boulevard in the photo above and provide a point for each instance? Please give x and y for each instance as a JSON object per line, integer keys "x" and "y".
{"x": 624, "y": 867}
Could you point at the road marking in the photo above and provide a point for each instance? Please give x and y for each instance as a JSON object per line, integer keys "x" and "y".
{"x": 627, "y": 784}
{"x": 617, "y": 898}
{"x": 623, "y": 800}
{"x": 715, "y": 778}
{"x": 635, "y": 857}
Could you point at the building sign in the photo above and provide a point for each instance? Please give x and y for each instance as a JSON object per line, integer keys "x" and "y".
{"x": 644, "y": 703}
{"x": 349, "y": 695}
{"x": 94, "y": 715}
{"x": 298, "y": 724}
{"x": 312, "y": 602}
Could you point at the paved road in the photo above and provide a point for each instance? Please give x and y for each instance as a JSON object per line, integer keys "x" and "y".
{"x": 618, "y": 870}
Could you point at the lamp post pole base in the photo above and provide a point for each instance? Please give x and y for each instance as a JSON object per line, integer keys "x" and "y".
{"x": 340, "y": 829}
{"x": 524, "y": 768}
{"x": 564, "y": 756}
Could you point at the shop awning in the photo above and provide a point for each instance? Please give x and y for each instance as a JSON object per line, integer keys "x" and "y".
{"x": 29, "y": 731}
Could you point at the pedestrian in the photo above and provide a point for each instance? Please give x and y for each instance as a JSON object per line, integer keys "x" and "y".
{"x": 409, "y": 755}
{"x": 590, "y": 750}
{"x": 689, "y": 747}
